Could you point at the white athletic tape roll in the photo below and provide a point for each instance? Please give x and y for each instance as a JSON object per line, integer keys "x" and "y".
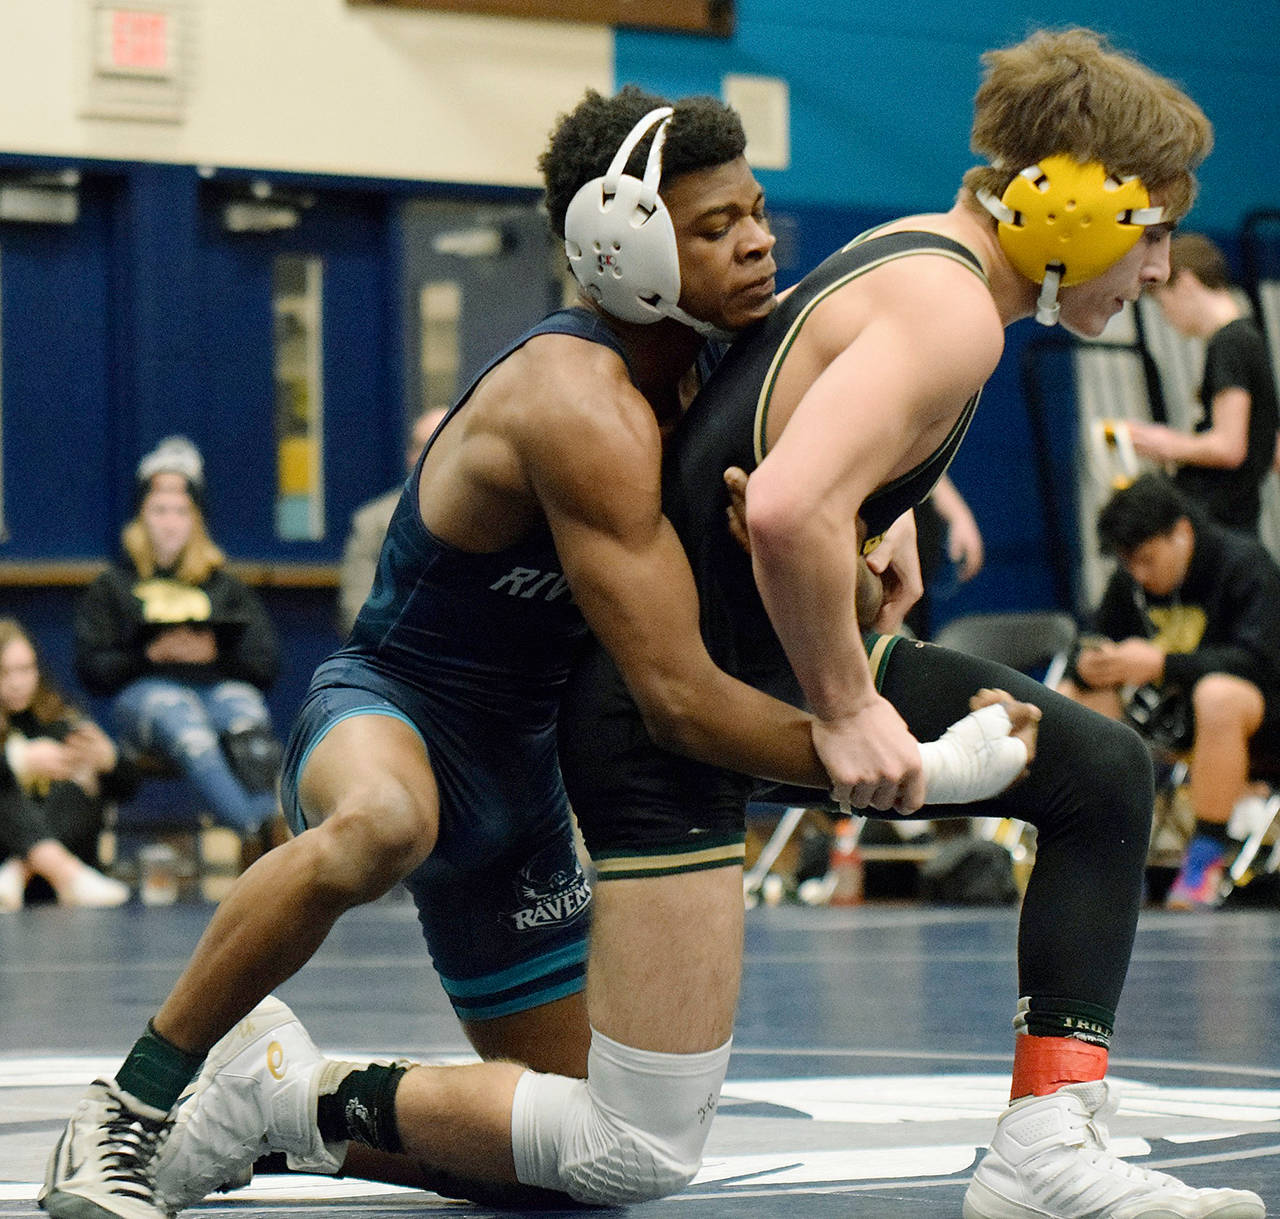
{"x": 975, "y": 759}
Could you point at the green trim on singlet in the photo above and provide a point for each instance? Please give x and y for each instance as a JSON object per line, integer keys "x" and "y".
{"x": 879, "y": 648}
{"x": 793, "y": 332}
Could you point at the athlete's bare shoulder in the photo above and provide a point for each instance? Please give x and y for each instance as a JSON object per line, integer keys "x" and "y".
{"x": 940, "y": 299}
{"x": 940, "y": 304}
{"x": 586, "y": 403}
{"x": 559, "y": 417}
{"x": 964, "y": 290}
{"x": 557, "y": 371}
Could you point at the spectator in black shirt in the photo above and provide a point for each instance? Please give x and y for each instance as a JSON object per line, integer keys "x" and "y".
{"x": 185, "y": 648}
{"x": 1222, "y": 463}
{"x": 1190, "y": 611}
{"x": 57, "y": 769}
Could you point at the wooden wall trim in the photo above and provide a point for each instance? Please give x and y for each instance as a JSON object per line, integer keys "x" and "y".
{"x": 73, "y": 573}
{"x": 696, "y": 16}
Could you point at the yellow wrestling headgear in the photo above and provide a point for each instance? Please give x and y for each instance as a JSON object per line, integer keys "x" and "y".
{"x": 1062, "y": 222}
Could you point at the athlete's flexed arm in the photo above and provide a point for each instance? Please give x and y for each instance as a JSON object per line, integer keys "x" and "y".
{"x": 597, "y": 476}
{"x": 844, "y": 425}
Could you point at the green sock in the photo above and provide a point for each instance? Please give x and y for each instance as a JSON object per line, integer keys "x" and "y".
{"x": 155, "y": 1070}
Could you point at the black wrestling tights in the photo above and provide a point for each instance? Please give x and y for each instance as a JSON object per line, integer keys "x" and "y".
{"x": 1089, "y": 795}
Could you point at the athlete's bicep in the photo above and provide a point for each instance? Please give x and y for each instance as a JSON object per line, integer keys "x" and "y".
{"x": 636, "y": 592}
{"x": 620, "y": 555}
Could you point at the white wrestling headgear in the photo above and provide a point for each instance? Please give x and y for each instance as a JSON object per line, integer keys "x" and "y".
{"x": 620, "y": 241}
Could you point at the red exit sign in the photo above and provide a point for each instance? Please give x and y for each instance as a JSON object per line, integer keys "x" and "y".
{"x": 135, "y": 42}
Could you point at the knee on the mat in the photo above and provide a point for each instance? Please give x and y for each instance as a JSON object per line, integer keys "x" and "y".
{"x": 605, "y": 1156}
{"x": 626, "y": 1166}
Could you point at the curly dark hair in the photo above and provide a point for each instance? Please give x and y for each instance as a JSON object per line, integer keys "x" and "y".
{"x": 704, "y": 132}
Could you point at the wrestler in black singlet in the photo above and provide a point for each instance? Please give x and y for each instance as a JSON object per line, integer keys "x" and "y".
{"x": 644, "y": 812}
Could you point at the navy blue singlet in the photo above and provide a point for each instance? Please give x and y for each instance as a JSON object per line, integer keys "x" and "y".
{"x": 473, "y": 651}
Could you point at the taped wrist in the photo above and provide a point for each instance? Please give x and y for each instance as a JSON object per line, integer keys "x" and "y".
{"x": 974, "y": 759}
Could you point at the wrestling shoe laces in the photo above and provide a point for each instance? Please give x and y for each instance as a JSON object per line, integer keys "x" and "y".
{"x": 104, "y": 1163}
{"x": 130, "y": 1142}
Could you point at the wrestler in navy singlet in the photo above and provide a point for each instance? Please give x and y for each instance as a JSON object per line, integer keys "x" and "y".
{"x": 473, "y": 651}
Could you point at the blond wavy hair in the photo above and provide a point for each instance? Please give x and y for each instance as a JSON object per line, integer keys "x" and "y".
{"x": 198, "y": 560}
{"x": 1070, "y": 92}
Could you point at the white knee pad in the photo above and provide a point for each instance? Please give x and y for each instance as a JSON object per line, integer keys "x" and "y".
{"x": 632, "y": 1131}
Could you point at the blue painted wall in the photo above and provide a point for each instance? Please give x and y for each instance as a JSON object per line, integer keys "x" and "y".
{"x": 881, "y": 94}
{"x": 880, "y": 100}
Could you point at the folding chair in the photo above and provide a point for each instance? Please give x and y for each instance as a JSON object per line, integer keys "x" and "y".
{"x": 1253, "y": 833}
{"x": 164, "y": 808}
{"x": 1241, "y": 869}
{"x": 1036, "y": 642}
{"x": 1264, "y": 769}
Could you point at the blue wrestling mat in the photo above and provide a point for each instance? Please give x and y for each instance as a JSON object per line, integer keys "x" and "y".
{"x": 870, "y": 1061}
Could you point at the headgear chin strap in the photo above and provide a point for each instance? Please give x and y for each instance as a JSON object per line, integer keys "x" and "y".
{"x": 620, "y": 240}
{"x": 1062, "y": 222}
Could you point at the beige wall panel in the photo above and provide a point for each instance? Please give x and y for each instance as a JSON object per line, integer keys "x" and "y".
{"x": 313, "y": 85}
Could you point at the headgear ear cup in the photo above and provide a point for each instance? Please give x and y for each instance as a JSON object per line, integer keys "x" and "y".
{"x": 1062, "y": 222}
{"x": 619, "y": 238}
{"x": 618, "y": 235}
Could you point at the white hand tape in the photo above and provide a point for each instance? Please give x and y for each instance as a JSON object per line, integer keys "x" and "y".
{"x": 974, "y": 759}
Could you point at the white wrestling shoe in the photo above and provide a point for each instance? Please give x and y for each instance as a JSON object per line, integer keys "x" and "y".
{"x": 1049, "y": 1160}
{"x": 256, "y": 1093}
{"x": 104, "y": 1164}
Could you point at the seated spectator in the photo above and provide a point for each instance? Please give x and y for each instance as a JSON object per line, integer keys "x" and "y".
{"x": 57, "y": 770}
{"x": 184, "y": 648}
{"x": 1188, "y": 625}
{"x": 1222, "y": 463}
{"x": 369, "y": 526}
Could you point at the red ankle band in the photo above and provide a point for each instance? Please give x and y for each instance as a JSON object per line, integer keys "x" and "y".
{"x": 1044, "y": 1064}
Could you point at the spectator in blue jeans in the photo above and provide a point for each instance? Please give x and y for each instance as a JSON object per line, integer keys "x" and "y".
{"x": 185, "y": 649}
